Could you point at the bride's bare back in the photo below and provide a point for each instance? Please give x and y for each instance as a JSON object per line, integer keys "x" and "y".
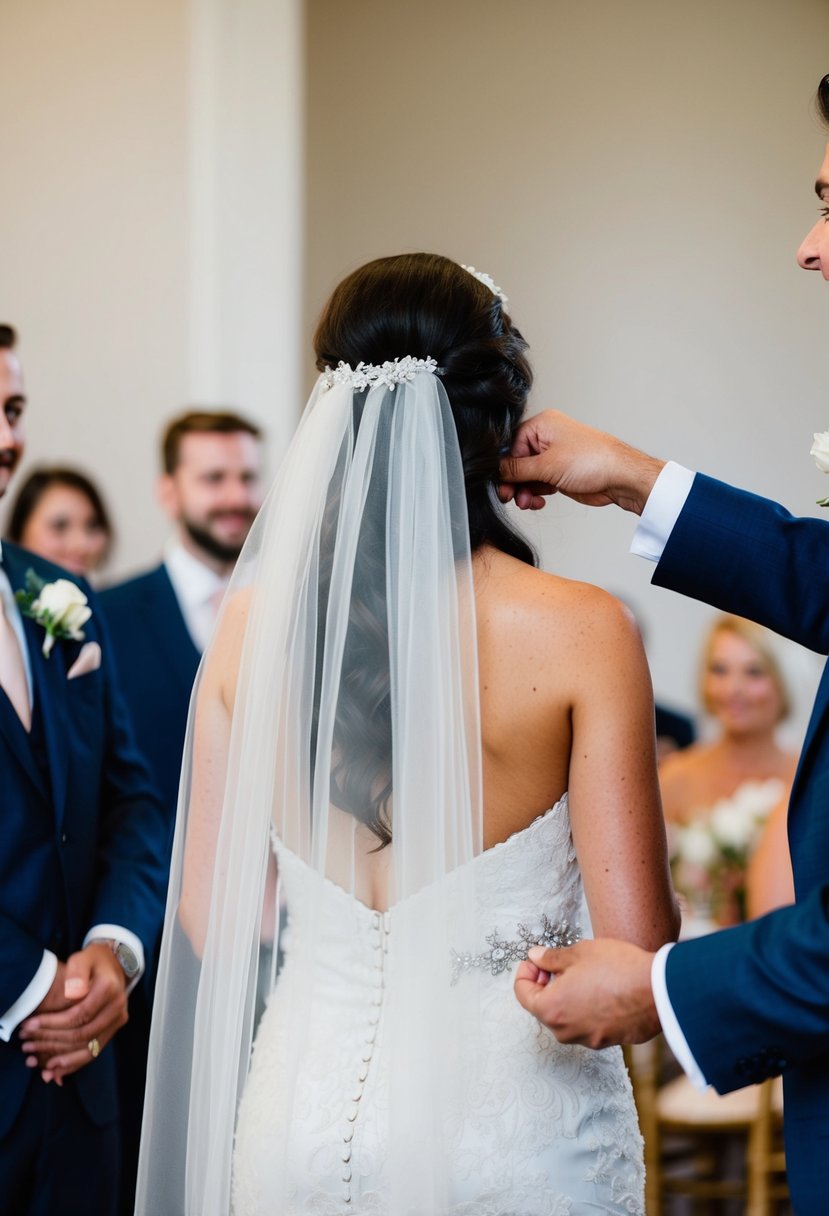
{"x": 566, "y": 704}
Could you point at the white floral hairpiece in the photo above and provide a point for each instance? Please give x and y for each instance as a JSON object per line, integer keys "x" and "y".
{"x": 487, "y": 281}
{"x": 368, "y": 375}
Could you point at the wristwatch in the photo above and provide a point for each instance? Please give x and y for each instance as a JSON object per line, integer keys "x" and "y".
{"x": 126, "y": 957}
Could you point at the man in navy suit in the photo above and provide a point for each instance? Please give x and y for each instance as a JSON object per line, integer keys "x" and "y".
{"x": 160, "y": 623}
{"x": 161, "y": 620}
{"x": 750, "y": 1002}
{"x": 81, "y": 878}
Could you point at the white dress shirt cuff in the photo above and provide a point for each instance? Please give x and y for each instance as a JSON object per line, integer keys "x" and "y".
{"x": 117, "y": 933}
{"x": 670, "y": 1026}
{"x": 666, "y": 500}
{"x": 30, "y": 997}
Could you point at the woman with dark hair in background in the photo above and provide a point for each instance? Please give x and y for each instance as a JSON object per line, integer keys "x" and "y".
{"x": 439, "y": 755}
{"x": 60, "y": 514}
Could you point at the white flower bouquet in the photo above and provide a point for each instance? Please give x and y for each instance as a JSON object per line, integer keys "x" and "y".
{"x": 710, "y": 853}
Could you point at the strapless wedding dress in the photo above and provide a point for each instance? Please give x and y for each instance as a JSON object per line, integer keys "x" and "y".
{"x": 547, "y": 1129}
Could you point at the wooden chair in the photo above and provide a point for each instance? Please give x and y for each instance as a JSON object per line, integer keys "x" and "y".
{"x": 679, "y": 1111}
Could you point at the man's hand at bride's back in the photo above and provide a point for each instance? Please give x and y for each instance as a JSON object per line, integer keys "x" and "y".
{"x": 553, "y": 453}
{"x": 597, "y": 993}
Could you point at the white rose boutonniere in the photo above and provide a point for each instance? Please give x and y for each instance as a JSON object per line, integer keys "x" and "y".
{"x": 61, "y": 608}
{"x": 820, "y": 451}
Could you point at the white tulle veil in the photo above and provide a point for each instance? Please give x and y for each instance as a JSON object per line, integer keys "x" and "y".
{"x": 337, "y": 702}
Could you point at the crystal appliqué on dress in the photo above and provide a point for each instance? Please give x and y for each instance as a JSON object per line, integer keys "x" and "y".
{"x": 553, "y": 935}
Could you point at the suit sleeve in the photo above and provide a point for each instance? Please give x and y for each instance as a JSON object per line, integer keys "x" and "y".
{"x": 132, "y": 843}
{"x": 747, "y": 555}
{"x": 754, "y": 1000}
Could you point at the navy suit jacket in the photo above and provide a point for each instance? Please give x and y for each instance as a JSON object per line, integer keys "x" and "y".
{"x": 671, "y": 724}
{"x": 157, "y": 664}
{"x": 82, "y": 836}
{"x": 753, "y": 1001}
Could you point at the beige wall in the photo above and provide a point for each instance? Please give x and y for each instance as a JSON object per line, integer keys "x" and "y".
{"x": 92, "y": 248}
{"x": 150, "y": 243}
{"x": 637, "y": 176}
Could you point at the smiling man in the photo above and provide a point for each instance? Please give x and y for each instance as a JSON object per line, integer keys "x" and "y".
{"x": 13, "y": 403}
{"x": 82, "y": 887}
{"x": 161, "y": 621}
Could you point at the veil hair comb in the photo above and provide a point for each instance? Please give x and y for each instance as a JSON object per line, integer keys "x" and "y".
{"x": 372, "y": 375}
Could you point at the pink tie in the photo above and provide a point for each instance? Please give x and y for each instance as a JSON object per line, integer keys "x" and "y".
{"x": 12, "y": 669}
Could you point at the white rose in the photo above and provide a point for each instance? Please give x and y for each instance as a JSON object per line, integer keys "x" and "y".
{"x": 66, "y": 605}
{"x": 757, "y": 799}
{"x": 695, "y": 845}
{"x": 731, "y": 826}
{"x": 820, "y": 451}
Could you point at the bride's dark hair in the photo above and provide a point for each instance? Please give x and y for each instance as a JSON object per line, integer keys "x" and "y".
{"x": 423, "y": 305}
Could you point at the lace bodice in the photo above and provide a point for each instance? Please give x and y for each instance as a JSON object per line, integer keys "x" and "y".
{"x": 547, "y": 1129}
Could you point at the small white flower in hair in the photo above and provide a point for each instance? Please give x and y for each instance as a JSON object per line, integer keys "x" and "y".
{"x": 487, "y": 281}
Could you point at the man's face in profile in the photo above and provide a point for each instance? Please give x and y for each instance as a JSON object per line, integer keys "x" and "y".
{"x": 12, "y": 402}
{"x": 813, "y": 254}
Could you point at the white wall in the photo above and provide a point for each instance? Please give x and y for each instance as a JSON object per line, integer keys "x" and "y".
{"x": 637, "y": 177}
{"x": 150, "y": 242}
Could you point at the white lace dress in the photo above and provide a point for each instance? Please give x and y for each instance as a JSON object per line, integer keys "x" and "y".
{"x": 549, "y": 1129}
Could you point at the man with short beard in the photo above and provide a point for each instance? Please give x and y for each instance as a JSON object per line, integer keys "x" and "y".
{"x": 160, "y": 623}
{"x": 161, "y": 620}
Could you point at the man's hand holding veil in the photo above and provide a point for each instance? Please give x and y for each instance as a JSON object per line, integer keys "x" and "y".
{"x": 555, "y": 454}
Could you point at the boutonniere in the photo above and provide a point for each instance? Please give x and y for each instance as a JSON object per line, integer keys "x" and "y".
{"x": 820, "y": 451}
{"x": 60, "y": 608}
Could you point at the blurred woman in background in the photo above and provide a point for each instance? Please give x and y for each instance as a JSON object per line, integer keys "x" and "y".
{"x": 718, "y": 796}
{"x": 60, "y": 515}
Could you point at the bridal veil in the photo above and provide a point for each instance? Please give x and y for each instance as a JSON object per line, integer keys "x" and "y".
{"x": 336, "y": 716}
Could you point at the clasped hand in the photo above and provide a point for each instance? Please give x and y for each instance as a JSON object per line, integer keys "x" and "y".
{"x": 87, "y": 1000}
{"x": 597, "y": 993}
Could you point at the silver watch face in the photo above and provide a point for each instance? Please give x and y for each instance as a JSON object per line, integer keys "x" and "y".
{"x": 127, "y": 959}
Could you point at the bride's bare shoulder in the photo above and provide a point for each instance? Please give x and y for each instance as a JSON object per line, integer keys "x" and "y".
{"x": 221, "y": 665}
{"x": 576, "y": 613}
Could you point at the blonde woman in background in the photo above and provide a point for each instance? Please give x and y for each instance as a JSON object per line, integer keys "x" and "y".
{"x": 717, "y": 796}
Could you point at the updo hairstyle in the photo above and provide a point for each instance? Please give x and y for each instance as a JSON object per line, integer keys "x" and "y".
{"x": 422, "y": 304}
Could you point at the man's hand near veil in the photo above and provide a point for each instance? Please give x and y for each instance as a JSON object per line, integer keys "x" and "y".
{"x": 597, "y": 993}
{"x": 553, "y": 454}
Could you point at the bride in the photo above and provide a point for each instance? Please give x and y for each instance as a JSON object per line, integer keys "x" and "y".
{"x": 411, "y": 755}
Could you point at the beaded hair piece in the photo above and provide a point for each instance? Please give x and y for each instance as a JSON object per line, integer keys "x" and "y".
{"x": 487, "y": 281}
{"x": 369, "y": 375}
